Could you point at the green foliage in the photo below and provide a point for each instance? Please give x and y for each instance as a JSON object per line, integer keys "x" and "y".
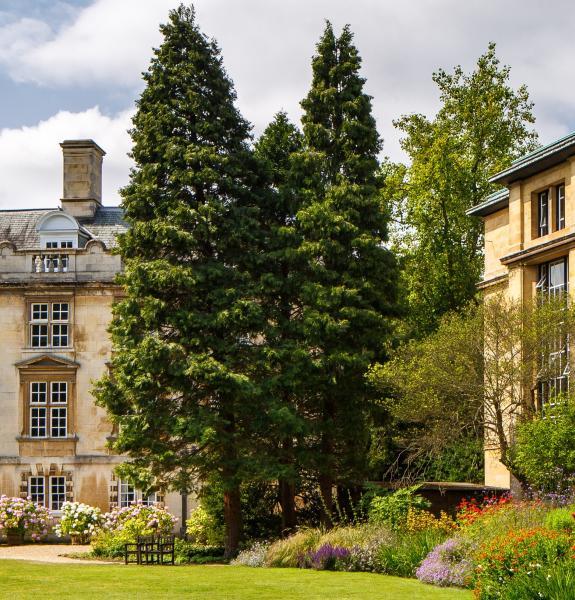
{"x": 555, "y": 582}
{"x": 560, "y": 519}
{"x": 505, "y": 519}
{"x": 349, "y": 298}
{"x": 481, "y": 126}
{"x": 183, "y": 389}
{"x": 191, "y": 553}
{"x": 203, "y": 528}
{"x": 544, "y": 452}
{"x": 404, "y": 555}
{"x": 392, "y": 510}
{"x": 460, "y": 460}
{"x": 517, "y": 553}
{"x": 111, "y": 544}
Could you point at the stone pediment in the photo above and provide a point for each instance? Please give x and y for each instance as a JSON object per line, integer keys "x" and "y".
{"x": 47, "y": 361}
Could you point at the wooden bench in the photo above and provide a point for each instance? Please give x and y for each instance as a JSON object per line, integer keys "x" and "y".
{"x": 151, "y": 550}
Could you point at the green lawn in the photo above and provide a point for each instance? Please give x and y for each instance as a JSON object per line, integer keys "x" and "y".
{"x": 34, "y": 580}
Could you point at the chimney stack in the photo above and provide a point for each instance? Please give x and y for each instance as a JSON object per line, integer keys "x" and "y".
{"x": 82, "y": 177}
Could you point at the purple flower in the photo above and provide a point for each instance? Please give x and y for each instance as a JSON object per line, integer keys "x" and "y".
{"x": 326, "y": 557}
{"x": 446, "y": 564}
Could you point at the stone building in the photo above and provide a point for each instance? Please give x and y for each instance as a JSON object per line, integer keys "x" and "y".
{"x": 57, "y": 289}
{"x": 530, "y": 249}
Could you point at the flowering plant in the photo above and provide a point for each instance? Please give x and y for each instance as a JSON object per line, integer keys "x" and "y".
{"x": 325, "y": 558}
{"x": 468, "y": 511}
{"x": 140, "y": 519}
{"x": 420, "y": 520}
{"x": 523, "y": 551}
{"x": 447, "y": 564}
{"x": 79, "y": 520}
{"x": 19, "y": 515}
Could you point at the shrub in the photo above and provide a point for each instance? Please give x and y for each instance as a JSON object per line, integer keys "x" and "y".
{"x": 560, "y": 519}
{"x": 326, "y": 558}
{"x": 392, "y": 509}
{"x": 419, "y": 520}
{"x": 190, "y": 553}
{"x": 517, "y": 552}
{"x": 203, "y": 528}
{"x": 288, "y": 552}
{"x": 22, "y": 516}
{"x": 254, "y": 556}
{"x": 123, "y": 525}
{"x": 447, "y": 564}
{"x": 496, "y": 519}
{"x": 405, "y": 553}
{"x": 79, "y": 520}
{"x": 556, "y": 582}
{"x": 544, "y": 452}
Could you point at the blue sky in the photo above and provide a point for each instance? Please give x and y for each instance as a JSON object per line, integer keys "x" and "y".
{"x": 71, "y": 68}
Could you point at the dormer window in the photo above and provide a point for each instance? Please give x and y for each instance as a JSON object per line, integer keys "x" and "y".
{"x": 58, "y": 231}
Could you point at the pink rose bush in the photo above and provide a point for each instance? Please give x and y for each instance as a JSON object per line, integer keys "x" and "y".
{"x": 22, "y": 516}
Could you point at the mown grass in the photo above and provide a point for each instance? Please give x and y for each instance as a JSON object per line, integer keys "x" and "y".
{"x": 20, "y": 580}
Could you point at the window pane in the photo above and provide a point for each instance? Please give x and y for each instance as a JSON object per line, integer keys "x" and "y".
{"x": 38, "y": 392}
{"x": 39, "y": 336}
{"x": 127, "y": 494}
{"x": 37, "y": 422}
{"x": 58, "y": 424}
{"x": 57, "y": 492}
{"x": 560, "y": 206}
{"x": 60, "y": 311}
{"x": 66, "y": 244}
{"x": 59, "y": 335}
{"x": 51, "y": 245}
{"x": 36, "y": 489}
{"x": 149, "y": 500}
{"x": 59, "y": 393}
{"x": 39, "y": 312}
{"x": 543, "y": 213}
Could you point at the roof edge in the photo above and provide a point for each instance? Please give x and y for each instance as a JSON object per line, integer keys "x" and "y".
{"x": 491, "y": 204}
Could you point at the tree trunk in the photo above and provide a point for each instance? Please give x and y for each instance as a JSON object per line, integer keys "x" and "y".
{"x": 287, "y": 503}
{"x": 326, "y": 491}
{"x": 232, "y": 520}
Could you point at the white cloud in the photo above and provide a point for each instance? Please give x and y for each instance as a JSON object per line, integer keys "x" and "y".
{"x": 109, "y": 42}
{"x": 31, "y": 158}
{"x": 267, "y": 46}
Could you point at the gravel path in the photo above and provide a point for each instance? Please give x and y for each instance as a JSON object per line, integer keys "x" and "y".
{"x": 49, "y": 553}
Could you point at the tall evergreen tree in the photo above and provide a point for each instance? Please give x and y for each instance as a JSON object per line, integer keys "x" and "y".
{"x": 182, "y": 386}
{"x": 284, "y": 358}
{"x": 351, "y": 294}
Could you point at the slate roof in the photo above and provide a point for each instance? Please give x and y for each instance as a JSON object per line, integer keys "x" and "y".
{"x": 19, "y": 226}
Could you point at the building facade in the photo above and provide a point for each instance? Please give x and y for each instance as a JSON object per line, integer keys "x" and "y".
{"x": 57, "y": 288}
{"x": 530, "y": 249}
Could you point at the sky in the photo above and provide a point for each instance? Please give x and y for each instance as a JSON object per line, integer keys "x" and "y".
{"x": 71, "y": 69}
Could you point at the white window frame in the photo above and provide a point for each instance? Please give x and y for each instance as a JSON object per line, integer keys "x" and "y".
{"x": 52, "y": 478}
{"x": 124, "y": 487}
{"x": 50, "y": 329}
{"x": 31, "y": 485}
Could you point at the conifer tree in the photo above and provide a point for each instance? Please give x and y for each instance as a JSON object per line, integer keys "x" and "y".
{"x": 285, "y": 358}
{"x": 351, "y": 294}
{"x": 182, "y": 387}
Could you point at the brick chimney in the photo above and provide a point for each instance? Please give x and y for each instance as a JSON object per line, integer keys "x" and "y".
{"x": 82, "y": 177}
